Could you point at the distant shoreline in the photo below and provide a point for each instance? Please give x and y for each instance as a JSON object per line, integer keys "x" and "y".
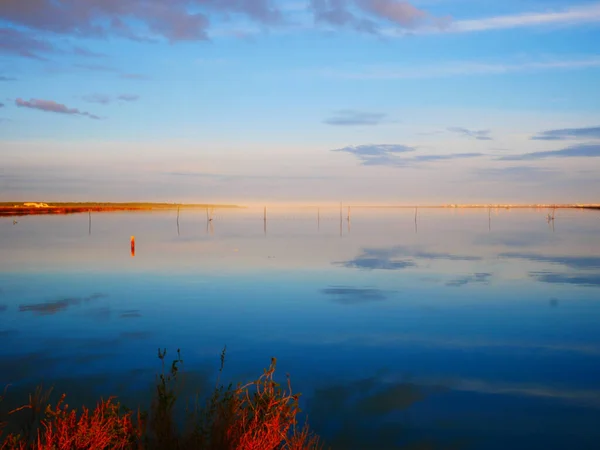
{"x": 24, "y": 209}
{"x": 492, "y": 206}
{"x": 33, "y": 208}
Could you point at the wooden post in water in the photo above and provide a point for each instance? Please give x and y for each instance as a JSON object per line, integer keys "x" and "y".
{"x": 132, "y": 241}
{"x": 416, "y": 209}
{"x": 318, "y": 218}
{"x": 348, "y": 219}
{"x": 340, "y": 219}
{"x": 209, "y": 217}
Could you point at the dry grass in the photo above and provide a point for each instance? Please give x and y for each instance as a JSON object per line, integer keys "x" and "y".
{"x": 260, "y": 415}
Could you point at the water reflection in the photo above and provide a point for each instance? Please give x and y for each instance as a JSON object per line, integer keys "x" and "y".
{"x": 468, "y": 279}
{"x": 416, "y": 210}
{"x": 592, "y": 280}
{"x": 369, "y": 413}
{"x": 575, "y": 262}
{"x": 53, "y": 307}
{"x": 398, "y": 257}
{"x": 6, "y": 334}
{"x": 350, "y": 295}
{"x": 587, "y": 268}
{"x": 513, "y": 238}
{"x": 476, "y": 334}
{"x": 375, "y": 259}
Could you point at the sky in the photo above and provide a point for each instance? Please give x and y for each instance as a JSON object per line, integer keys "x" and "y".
{"x": 291, "y": 101}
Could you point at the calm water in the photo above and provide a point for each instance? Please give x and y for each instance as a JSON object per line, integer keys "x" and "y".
{"x": 464, "y": 331}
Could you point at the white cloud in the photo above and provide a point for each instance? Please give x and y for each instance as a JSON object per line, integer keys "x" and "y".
{"x": 576, "y": 15}
{"x": 572, "y": 16}
{"x": 303, "y": 22}
{"x": 463, "y": 68}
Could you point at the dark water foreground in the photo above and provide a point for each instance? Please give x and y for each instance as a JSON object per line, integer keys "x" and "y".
{"x": 457, "y": 330}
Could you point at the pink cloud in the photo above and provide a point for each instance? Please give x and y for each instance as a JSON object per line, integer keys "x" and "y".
{"x": 103, "y": 17}
{"x": 174, "y": 20}
{"x": 367, "y": 15}
{"x": 400, "y": 12}
{"x": 16, "y": 42}
{"x": 52, "y": 106}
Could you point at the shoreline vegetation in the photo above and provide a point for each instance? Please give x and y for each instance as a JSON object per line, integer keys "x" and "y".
{"x": 260, "y": 415}
{"x": 38, "y": 208}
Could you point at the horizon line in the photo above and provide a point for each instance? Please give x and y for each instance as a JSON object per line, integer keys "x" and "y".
{"x": 255, "y": 204}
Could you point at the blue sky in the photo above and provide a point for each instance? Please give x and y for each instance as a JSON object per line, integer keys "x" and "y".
{"x": 380, "y": 101}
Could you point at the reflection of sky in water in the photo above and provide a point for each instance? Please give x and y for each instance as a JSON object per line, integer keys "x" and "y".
{"x": 458, "y": 333}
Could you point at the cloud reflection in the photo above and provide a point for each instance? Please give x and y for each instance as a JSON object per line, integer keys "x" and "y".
{"x": 373, "y": 263}
{"x": 446, "y": 341}
{"x": 575, "y": 262}
{"x": 362, "y": 406}
{"x": 578, "y": 396}
{"x": 48, "y": 308}
{"x": 346, "y": 295}
{"x": 516, "y": 239}
{"x": 397, "y": 258}
{"x": 103, "y": 313}
{"x": 5, "y": 334}
{"x": 22, "y": 366}
{"x": 135, "y": 335}
{"x": 590, "y": 280}
{"x": 483, "y": 278}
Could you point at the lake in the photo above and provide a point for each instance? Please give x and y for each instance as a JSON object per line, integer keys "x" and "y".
{"x": 462, "y": 328}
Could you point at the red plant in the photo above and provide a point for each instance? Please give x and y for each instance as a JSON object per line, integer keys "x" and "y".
{"x": 265, "y": 419}
{"x": 103, "y": 428}
{"x": 258, "y": 416}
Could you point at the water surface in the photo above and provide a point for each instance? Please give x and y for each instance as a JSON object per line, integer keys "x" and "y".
{"x": 460, "y": 329}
